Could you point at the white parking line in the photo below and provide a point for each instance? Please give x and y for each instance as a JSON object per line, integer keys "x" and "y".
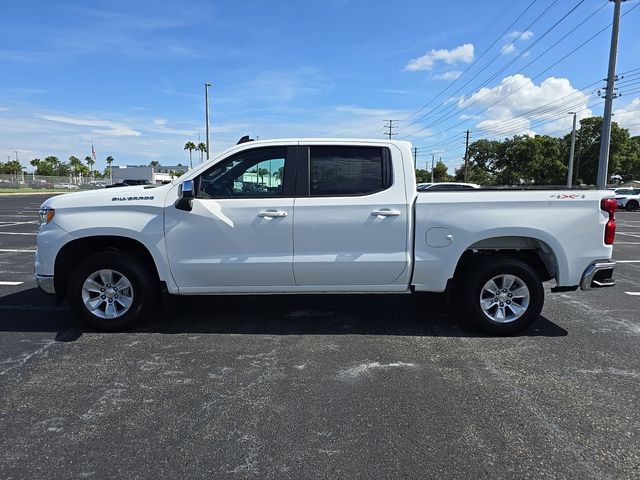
{"x": 634, "y": 294}
{"x": 13, "y": 224}
{"x": 628, "y": 234}
{"x": 15, "y": 250}
{"x": 11, "y": 283}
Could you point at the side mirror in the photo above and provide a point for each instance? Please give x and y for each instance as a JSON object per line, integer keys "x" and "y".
{"x": 186, "y": 194}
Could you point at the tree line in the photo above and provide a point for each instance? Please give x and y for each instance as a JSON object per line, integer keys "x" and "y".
{"x": 52, "y": 167}
{"x": 543, "y": 159}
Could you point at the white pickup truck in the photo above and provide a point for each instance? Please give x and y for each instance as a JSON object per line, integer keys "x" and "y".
{"x": 320, "y": 216}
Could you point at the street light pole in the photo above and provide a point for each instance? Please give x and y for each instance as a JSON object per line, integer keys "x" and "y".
{"x": 433, "y": 157}
{"x": 605, "y": 137}
{"x": 571, "y": 151}
{"x": 206, "y": 101}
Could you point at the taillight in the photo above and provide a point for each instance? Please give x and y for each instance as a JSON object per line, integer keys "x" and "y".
{"x": 609, "y": 205}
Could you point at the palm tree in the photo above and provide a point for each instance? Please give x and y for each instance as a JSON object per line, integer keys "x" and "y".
{"x": 89, "y": 161}
{"x": 202, "y": 147}
{"x": 154, "y": 163}
{"x": 261, "y": 173}
{"x": 191, "y": 147}
{"x": 109, "y": 161}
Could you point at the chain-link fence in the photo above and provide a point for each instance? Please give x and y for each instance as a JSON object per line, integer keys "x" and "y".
{"x": 29, "y": 182}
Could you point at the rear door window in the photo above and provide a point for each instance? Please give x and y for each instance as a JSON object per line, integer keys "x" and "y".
{"x": 344, "y": 171}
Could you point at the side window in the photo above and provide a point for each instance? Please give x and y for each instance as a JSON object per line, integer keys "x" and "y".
{"x": 252, "y": 173}
{"x": 348, "y": 170}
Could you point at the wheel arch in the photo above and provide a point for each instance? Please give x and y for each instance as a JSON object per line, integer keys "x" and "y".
{"x": 536, "y": 253}
{"x": 74, "y": 251}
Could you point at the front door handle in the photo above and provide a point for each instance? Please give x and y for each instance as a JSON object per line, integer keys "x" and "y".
{"x": 386, "y": 213}
{"x": 272, "y": 213}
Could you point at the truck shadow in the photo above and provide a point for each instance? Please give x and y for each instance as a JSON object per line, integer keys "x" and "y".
{"x": 402, "y": 315}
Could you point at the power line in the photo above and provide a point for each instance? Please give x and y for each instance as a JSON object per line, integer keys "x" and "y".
{"x": 501, "y": 53}
{"x": 468, "y": 105}
{"x": 472, "y": 64}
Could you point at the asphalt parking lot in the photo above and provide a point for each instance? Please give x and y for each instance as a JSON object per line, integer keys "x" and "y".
{"x": 317, "y": 386}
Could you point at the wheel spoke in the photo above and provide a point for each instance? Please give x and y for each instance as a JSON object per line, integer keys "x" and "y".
{"x": 122, "y": 283}
{"x": 91, "y": 285}
{"x": 486, "y": 303}
{"x": 517, "y": 310}
{"x": 521, "y": 292}
{"x": 500, "y": 314}
{"x": 507, "y": 281}
{"x": 110, "y": 311}
{"x": 94, "y": 303}
{"x": 491, "y": 287}
{"x": 106, "y": 276}
{"x": 124, "y": 301}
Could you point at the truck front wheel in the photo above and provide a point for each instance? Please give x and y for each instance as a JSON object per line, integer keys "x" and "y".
{"x": 112, "y": 291}
{"x": 501, "y": 296}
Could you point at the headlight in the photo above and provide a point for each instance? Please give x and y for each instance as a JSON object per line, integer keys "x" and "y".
{"x": 45, "y": 215}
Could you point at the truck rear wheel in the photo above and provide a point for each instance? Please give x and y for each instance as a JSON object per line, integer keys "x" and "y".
{"x": 501, "y": 296}
{"x": 112, "y": 291}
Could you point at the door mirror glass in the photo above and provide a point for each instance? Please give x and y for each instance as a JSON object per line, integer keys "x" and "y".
{"x": 187, "y": 189}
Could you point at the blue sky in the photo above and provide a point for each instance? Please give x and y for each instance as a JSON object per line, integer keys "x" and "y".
{"x": 129, "y": 75}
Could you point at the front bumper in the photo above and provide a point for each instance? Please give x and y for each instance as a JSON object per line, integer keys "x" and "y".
{"x": 598, "y": 275}
{"x": 45, "y": 283}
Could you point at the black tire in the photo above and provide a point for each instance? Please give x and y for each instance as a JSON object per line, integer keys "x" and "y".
{"x": 476, "y": 277}
{"x": 631, "y": 206}
{"x": 144, "y": 290}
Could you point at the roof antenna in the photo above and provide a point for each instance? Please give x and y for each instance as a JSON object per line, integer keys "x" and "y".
{"x": 244, "y": 139}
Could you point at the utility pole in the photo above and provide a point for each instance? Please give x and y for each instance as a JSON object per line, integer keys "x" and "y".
{"x": 206, "y": 101}
{"x": 466, "y": 159}
{"x": 415, "y": 158}
{"x": 433, "y": 158}
{"x": 605, "y": 137}
{"x": 571, "y": 151}
{"x": 390, "y": 127}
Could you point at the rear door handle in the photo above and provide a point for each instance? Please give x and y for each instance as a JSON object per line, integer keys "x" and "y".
{"x": 385, "y": 213}
{"x": 272, "y": 213}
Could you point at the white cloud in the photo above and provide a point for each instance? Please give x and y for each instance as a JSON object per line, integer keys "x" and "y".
{"x": 463, "y": 53}
{"x": 554, "y": 96}
{"x": 524, "y": 36}
{"x": 508, "y": 48}
{"x": 629, "y": 116}
{"x": 451, "y": 75}
{"x": 105, "y": 127}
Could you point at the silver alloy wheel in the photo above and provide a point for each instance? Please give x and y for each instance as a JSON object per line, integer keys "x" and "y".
{"x": 107, "y": 294}
{"x": 504, "y": 298}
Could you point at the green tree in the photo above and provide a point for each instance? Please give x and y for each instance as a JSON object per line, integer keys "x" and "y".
{"x": 588, "y": 149}
{"x": 191, "y": 147}
{"x": 202, "y": 148}
{"x": 154, "y": 163}
{"x": 90, "y": 162}
{"x": 440, "y": 172}
{"x": 423, "y": 176}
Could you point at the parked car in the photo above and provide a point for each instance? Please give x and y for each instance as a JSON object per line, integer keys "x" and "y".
{"x": 628, "y": 198}
{"x": 130, "y": 183}
{"x": 346, "y": 219}
{"x": 446, "y": 186}
{"x": 66, "y": 186}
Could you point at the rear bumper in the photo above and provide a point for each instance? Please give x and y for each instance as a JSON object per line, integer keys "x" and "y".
{"x": 598, "y": 275}
{"x": 45, "y": 283}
